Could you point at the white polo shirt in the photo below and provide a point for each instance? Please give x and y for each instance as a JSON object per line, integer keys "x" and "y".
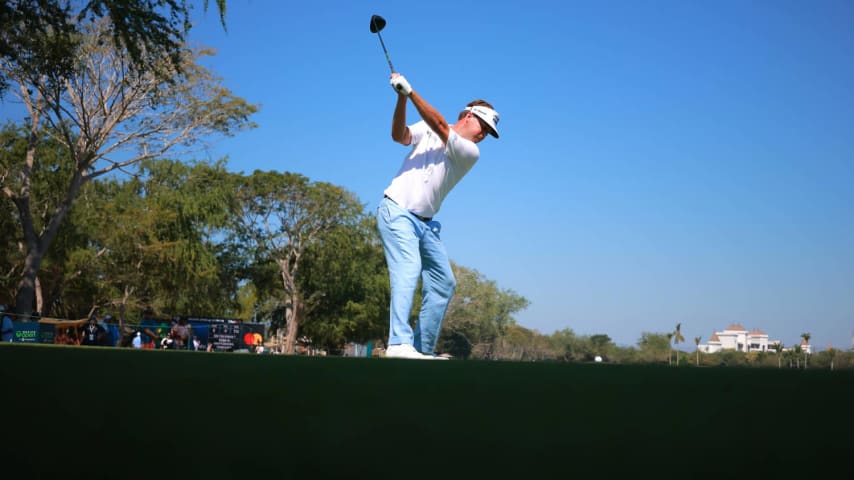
{"x": 431, "y": 169}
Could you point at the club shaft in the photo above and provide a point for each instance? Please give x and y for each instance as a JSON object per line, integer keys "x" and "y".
{"x": 386, "y": 52}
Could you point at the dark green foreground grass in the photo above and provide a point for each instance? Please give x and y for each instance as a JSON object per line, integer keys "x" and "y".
{"x": 110, "y": 413}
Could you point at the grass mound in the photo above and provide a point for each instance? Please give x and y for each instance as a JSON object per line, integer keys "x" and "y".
{"x": 143, "y": 414}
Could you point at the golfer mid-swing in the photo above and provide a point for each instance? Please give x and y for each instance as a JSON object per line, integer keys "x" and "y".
{"x": 441, "y": 155}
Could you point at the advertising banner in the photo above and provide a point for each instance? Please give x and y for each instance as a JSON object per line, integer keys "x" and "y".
{"x": 26, "y": 332}
{"x": 225, "y": 334}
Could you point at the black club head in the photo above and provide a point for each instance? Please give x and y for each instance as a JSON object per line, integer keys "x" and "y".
{"x": 377, "y": 23}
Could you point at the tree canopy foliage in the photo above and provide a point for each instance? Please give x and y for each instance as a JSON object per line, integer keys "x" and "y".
{"x": 108, "y": 117}
{"x": 278, "y": 218}
{"x": 40, "y": 37}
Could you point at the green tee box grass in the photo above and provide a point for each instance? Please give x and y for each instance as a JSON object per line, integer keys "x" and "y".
{"x": 145, "y": 414}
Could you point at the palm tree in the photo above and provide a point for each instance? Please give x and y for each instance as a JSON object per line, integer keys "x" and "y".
{"x": 796, "y": 351}
{"x": 806, "y": 337}
{"x": 677, "y": 339}
{"x": 778, "y": 347}
{"x": 697, "y": 343}
{"x": 669, "y": 351}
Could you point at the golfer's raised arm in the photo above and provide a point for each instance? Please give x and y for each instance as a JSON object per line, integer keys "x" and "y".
{"x": 430, "y": 115}
{"x": 434, "y": 119}
{"x": 399, "y": 130}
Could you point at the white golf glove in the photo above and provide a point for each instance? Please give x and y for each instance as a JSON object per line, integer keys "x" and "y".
{"x": 400, "y": 85}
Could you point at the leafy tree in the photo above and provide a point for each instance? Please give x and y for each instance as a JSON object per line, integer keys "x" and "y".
{"x": 521, "y": 344}
{"x": 653, "y": 346}
{"x": 345, "y": 285}
{"x": 757, "y": 357}
{"x": 571, "y": 347}
{"x": 279, "y": 217}
{"x": 563, "y": 342}
{"x": 833, "y": 358}
{"x": 731, "y": 358}
{"x": 37, "y": 37}
{"x": 601, "y": 345}
{"x": 624, "y": 355}
{"x": 154, "y": 240}
{"x": 677, "y": 339}
{"x": 47, "y": 178}
{"x": 478, "y": 315}
{"x": 109, "y": 117}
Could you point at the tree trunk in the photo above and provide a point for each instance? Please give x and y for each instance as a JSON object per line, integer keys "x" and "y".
{"x": 25, "y": 299}
{"x": 128, "y": 291}
{"x": 294, "y": 317}
{"x": 37, "y": 245}
{"x": 39, "y": 297}
{"x": 290, "y": 331}
{"x": 34, "y": 254}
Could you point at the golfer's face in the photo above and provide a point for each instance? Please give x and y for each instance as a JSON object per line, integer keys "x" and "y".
{"x": 478, "y": 130}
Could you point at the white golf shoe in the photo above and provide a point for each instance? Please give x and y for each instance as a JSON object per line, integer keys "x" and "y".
{"x": 406, "y": 350}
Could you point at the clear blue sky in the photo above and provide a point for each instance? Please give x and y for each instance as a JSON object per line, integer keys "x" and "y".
{"x": 660, "y": 162}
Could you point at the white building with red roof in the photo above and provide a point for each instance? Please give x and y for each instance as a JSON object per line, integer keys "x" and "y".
{"x": 736, "y": 337}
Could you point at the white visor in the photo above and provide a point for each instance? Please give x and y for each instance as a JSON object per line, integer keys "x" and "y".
{"x": 488, "y": 115}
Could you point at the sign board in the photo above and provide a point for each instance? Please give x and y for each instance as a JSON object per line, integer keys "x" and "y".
{"x": 223, "y": 334}
{"x": 26, "y": 332}
{"x": 47, "y": 332}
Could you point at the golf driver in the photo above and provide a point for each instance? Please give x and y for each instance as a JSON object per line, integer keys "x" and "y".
{"x": 377, "y": 24}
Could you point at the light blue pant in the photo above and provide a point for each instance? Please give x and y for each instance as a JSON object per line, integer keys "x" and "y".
{"x": 412, "y": 250}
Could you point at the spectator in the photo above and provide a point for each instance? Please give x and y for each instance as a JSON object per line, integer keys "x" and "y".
{"x": 73, "y": 336}
{"x": 147, "y": 327}
{"x": 126, "y": 332}
{"x": 180, "y": 333}
{"x": 64, "y": 337}
{"x": 196, "y": 343}
{"x": 7, "y": 330}
{"x": 137, "y": 340}
{"x": 168, "y": 342}
{"x": 153, "y": 330}
{"x": 111, "y": 330}
{"x": 93, "y": 334}
{"x": 59, "y": 337}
